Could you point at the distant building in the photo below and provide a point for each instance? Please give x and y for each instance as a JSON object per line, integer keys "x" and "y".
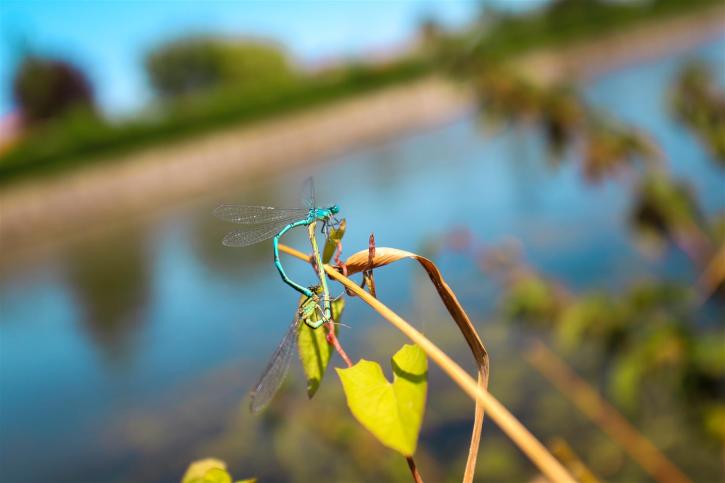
{"x": 11, "y": 127}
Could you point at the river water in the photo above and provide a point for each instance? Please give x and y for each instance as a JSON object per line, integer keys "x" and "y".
{"x": 118, "y": 351}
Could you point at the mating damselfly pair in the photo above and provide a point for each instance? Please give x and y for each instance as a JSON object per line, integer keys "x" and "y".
{"x": 262, "y": 223}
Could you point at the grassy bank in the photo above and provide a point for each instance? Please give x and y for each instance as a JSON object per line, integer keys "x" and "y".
{"x": 81, "y": 139}
{"x": 575, "y": 20}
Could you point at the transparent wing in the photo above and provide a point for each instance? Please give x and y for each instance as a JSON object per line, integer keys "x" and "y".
{"x": 255, "y": 233}
{"x": 273, "y": 375}
{"x": 252, "y": 215}
{"x": 307, "y": 195}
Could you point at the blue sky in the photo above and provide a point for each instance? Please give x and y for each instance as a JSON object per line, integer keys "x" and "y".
{"x": 108, "y": 39}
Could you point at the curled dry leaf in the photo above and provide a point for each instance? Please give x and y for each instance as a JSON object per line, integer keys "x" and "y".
{"x": 361, "y": 261}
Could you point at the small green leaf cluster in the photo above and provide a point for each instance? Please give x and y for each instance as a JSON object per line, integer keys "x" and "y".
{"x": 210, "y": 470}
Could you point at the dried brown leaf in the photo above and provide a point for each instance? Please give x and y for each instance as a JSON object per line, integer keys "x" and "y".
{"x": 360, "y": 262}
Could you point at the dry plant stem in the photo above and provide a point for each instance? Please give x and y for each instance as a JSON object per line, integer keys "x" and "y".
{"x": 604, "y": 415}
{"x": 564, "y": 453}
{"x": 533, "y": 448}
{"x": 713, "y": 275}
{"x": 413, "y": 469}
{"x": 693, "y": 243}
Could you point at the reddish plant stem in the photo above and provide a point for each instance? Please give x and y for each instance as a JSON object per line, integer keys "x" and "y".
{"x": 342, "y": 267}
{"x": 338, "y": 260}
{"x": 368, "y": 274}
{"x": 335, "y": 342}
{"x": 330, "y": 326}
{"x": 371, "y": 249}
{"x": 414, "y": 470}
{"x": 368, "y": 279}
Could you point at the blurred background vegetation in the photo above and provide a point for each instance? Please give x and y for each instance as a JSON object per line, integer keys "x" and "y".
{"x": 204, "y": 82}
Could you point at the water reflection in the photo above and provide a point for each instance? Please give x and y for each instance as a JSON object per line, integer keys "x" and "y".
{"x": 206, "y": 233}
{"x": 110, "y": 277}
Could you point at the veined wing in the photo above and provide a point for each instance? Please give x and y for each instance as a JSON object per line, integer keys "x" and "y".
{"x": 273, "y": 375}
{"x": 251, "y": 215}
{"x": 252, "y": 234}
{"x": 307, "y": 194}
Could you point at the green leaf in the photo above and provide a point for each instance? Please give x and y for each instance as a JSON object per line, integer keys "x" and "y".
{"x": 336, "y": 235}
{"x": 209, "y": 470}
{"x": 315, "y": 351}
{"x": 392, "y": 412}
{"x": 216, "y": 475}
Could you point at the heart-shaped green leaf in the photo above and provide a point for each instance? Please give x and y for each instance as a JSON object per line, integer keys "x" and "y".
{"x": 392, "y": 412}
{"x": 335, "y": 236}
{"x": 210, "y": 470}
{"x": 315, "y": 351}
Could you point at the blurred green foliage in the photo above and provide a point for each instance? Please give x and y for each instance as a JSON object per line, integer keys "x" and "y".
{"x": 45, "y": 89}
{"x": 650, "y": 336}
{"x": 564, "y": 21}
{"x": 655, "y": 348}
{"x": 664, "y": 208}
{"x": 699, "y": 103}
{"x": 531, "y": 298}
{"x": 78, "y": 139}
{"x": 202, "y": 64}
{"x": 605, "y": 145}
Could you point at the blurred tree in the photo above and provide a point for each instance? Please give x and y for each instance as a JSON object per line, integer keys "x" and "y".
{"x": 200, "y": 64}
{"x": 46, "y": 88}
{"x": 430, "y": 31}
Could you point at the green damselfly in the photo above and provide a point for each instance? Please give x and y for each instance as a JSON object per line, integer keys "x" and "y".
{"x": 272, "y": 377}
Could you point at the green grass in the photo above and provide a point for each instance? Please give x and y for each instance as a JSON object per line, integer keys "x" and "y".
{"x": 79, "y": 138}
{"x": 575, "y": 20}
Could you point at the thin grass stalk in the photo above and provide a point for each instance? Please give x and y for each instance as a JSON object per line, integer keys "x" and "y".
{"x": 713, "y": 275}
{"x": 606, "y": 416}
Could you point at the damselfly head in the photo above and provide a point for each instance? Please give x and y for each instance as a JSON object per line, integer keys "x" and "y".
{"x": 334, "y": 209}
